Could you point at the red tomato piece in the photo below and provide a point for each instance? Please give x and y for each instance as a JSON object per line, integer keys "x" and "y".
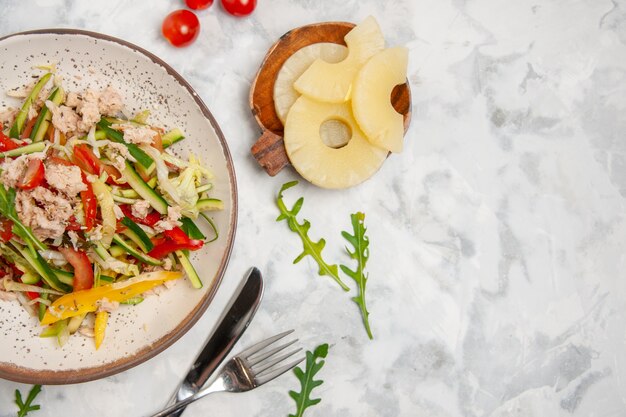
{"x": 239, "y": 8}
{"x": 83, "y": 271}
{"x": 90, "y": 204}
{"x": 33, "y": 176}
{"x": 198, "y": 4}
{"x": 170, "y": 246}
{"x": 86, "y": 159}
{"x": 6, "y": 230}
{"x": 149, "y": 220}
{"x": 73, "y": 225}
{"x": 181, "y": 27}
{"x": 28, "y": 128}
{"x": 6, "y": 144}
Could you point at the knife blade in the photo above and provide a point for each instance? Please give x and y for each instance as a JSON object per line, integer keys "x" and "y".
{"x": 230, "y": 326}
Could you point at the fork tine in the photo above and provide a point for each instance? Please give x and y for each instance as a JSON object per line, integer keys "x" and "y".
{"x": 275, "y": 361}
{"x": 257, "y": 347}
{"x": 258, "y": 357}
{"x": 262, "y": 379}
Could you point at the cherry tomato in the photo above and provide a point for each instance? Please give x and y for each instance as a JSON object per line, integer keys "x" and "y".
{"x": 181, "y": 27}
{"x": 239, "y": 7}
{"x": 33, "y": 176}
{"x": 198, "y": 4}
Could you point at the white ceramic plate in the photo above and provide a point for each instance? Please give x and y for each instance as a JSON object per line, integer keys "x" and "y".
{"x": 134, "y": 334}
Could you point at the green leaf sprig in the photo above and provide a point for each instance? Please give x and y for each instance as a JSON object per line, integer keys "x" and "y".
{"x": 360, "y": 242}
{"x": 314, "y": 249}
{"x": 306, "y": 376}
{"x": 7, "y": 209}
{"x": 26, "y": 407}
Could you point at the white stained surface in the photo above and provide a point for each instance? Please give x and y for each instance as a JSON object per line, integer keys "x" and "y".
{"x": 498, "y": 236}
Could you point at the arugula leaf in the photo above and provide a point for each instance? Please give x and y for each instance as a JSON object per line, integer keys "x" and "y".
{"x": 307, "y": 383}
{"x": 7, "y": 209}
{"x": 360, "y": 243}
{"x": 314, "y": 249}
{"x": 26, "y": 407}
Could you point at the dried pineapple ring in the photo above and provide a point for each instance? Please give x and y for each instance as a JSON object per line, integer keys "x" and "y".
{"x": 381, "y": 123}
{"x": 284, "y": 93}
{"x": 320, "y": 164}
{"x": 332, "y": 83}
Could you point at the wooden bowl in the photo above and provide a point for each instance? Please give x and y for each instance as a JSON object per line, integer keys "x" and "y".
{"x": 269, "y": 149}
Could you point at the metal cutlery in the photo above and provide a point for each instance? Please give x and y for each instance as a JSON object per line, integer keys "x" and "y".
{"x": 230, "y": 326}
{"x": 247, "y": 370}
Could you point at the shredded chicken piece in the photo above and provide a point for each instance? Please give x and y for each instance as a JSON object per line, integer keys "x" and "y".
{"x": 63, "y": 117}
{"x": 140, "y": 209}
{"x": 66, "y": 179}
{"x": 96, "y": 234}
{"x": 73, "y": 239}
{"x": 119, "y": 214}
{"x": 106, "y": 305}
{"x": 72, "y": 99}
{"x": 7, "y": 296}
{"x": 118, "y": 154}
{"x": 139, "y": 135}
{"x": 86, "y": 331}
{"x": 110, "y": 102}
{"x": 44, "y": 211}
{"x": 171, "y": 221}
{"x": 7, "y": 116}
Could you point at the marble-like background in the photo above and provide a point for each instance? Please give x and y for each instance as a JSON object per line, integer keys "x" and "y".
{"x": 497, "y": 285}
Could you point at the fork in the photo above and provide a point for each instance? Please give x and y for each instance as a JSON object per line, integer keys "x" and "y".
{"x": 247, "y": 370}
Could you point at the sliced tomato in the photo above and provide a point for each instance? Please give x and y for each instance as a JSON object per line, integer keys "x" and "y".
{"x": 6, "y": 144}
{"x": 73, "y": 225}
{"x": 6, "y": 230}
{"x": 90, "y": 204}
{"x": 58, "y": 160}
{"x": 83, "y": 271}
{"x": 86, "y": 159}
{"x": 170, "y": 246}
{"x": 28, "y": 128}
{"x": 150, "y": 219}
{"x": 34, "y": 175}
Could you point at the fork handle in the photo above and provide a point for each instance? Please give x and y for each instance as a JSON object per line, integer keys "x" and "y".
{"x": 216, "y": 386}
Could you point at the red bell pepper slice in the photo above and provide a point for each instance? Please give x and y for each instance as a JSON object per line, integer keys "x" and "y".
{"x": 177, "y": 235}
{"x": 34, "y": 175}
{"x": 170, "y": 246}
{"x": 6, "y": 230}
{"x": 150, "y": 219}
{"x": 6, "y": 144}
{"x": 83, "y": 271}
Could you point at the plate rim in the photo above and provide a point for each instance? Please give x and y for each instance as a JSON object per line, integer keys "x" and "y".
{"x": 20, "y": 374}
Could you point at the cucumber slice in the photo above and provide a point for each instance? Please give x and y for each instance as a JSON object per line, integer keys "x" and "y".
{"x": 134, "y": 180}
{"x": 43, "y": 120}
{"x": 137, "y": 235}
{"x": 64, "y": 276}
{"x": 209, "y": 204}
{"x": 183, "y": 259}
{"x": 32, "y": 148}
{"x": 116, "y": 251}
{"x": 75, "y": 323}
{"x": 135, "y": 253}
{"x": 42, "y": 306}
{"x": 190, "y": 229}
{"x": 171, "y": 137}
{"x": 133, "y": 301}
{"x": 141, "y": 157}
{"x": 29, "y": 278}
{"x": 20, "y": 119}
{"x": 43, "y": 269}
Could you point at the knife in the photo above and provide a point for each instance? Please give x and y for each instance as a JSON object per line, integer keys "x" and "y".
{"x": 230, "y": 326}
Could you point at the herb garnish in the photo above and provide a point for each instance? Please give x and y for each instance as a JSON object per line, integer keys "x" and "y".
{"x": 313, "y": 365}
{"x": 314, "y": 249}
{"x": 26, "y": 407}
{"x": 360, "y": 242}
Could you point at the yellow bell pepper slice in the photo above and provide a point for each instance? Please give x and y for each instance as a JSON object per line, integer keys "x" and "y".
{"x": 86, "y": 301}
{"x": 99, "y": 326}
